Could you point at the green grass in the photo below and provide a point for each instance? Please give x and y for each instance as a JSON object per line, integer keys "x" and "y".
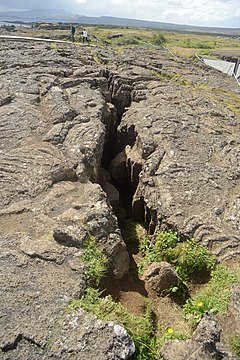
{"x": 192, "y": 43}
{"x": 187, "y": 257}
{"x": 96, "y": 261}
{"x": 235, "y": 343}
{"x": 182, "y": 44}
{"x": 214, "y": 297}
{"x": 148, "y": 338}
{"x": 140, "y": 328}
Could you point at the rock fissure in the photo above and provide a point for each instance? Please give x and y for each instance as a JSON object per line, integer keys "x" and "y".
{"x": 13, "y": 345}
{"x": 120, "y": 176}
{"x": 122, "y": 161}
{"x": 77, "y": 138}
{"x": 44, "y": 258}
{"x": 20, "y": 337}
{"x": 120, "y": 180}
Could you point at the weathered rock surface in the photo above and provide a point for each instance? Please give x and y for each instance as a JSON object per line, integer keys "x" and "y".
{"x": 59, "y": 111}
{"x": 185, "y": 144}
{"x": 205, "y": 344}
{"x": 235, "y": 307}
{"x": 161, "y": 276}
{"x": 77, "y": 336}
{"x": 53, "y": 130}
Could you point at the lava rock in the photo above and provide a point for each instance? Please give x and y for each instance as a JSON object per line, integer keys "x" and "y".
{"x": 161, "y": 276}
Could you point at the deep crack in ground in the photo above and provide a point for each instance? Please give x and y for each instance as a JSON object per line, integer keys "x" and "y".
{"x": 130, "y": 289}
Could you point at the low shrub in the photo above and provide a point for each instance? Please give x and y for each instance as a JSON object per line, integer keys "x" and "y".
{"x": 190, "y": 257}
{"x": 159, "y": 39}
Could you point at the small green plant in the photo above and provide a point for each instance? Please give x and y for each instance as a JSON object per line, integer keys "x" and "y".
{"x": 190, "y": 257}
{"x": 135, "y": 233}
{"x": 187, "y": 257}
{"x": 171, "y": 334}
{"x": 235, "y": 343}
{"x": 96, "y": 261}
{"x": 180, "y": 292}
{"x": 214, "y": 297}
{"x": 167, "y": 240}
{"x": 156, "y": 248}
{"x": 140, "y": 328}
{"x": 195, "y": 310}
{"x": 159, "y": 39}
{"x": 168, "y": 333}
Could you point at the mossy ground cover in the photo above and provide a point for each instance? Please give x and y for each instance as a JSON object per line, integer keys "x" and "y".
{"x": 235, "y": 343}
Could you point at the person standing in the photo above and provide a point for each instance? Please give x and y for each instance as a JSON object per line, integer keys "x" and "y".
{"x": 73, "y": 33}
{"x": 85, "y": 36}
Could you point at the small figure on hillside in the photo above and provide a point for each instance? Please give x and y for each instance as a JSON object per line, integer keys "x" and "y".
{"x": 73, "y": 29}
{"x": 85, "y": 36}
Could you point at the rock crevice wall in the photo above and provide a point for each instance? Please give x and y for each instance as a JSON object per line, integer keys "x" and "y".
{"x": 182, "y": 163}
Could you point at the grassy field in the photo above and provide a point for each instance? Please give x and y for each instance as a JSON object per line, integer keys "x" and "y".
{"x": 181, "y": 44}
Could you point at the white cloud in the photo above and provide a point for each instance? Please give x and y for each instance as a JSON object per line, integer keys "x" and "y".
{"x": 116, "y": 2}
{"x": 202, "y": 12}
{"x": 197, "y": 12}
{"x": 192, "y": 12}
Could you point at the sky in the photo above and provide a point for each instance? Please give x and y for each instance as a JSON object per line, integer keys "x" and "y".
{"x": 222, "y": 13}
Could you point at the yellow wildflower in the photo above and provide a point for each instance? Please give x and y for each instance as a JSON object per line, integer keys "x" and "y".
{"x": 200, "y": 304}
{"x": 170, "y": 331}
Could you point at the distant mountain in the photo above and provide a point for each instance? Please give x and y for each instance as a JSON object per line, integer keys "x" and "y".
{"x": 60, "y": 15}
{"x": 53, "y": 15}
{"x": 107, "y": 20}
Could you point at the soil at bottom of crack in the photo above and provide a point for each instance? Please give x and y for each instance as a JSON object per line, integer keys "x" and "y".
{"x": 129, "y": 290}
{"x": 132, "y": 293}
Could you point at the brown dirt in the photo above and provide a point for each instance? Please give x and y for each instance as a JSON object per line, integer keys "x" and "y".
{"x": 130, "y": 291}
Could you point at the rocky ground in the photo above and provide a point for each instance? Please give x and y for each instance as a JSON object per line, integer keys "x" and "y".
{"x": 90, "y": 135}
{"x": 228, "y": 55}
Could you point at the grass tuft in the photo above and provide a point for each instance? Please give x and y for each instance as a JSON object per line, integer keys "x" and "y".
{"x": 140, "y": 328}
{"x": 214, "y": 297}
{"x": 97, "y": 262}
{"x": 235, "y": 343}
{"x": 188, "y": 257}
